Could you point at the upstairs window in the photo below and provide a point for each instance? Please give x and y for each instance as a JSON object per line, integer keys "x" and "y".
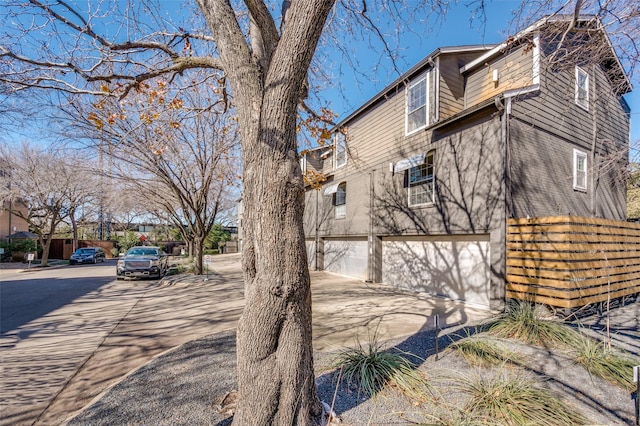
{"x": 417, "y": 104}
{"x": 340, "y": 143}
{"x": 421, "y": 182}
{"x": 340, "y": 201}
{"x": 582, "y": 88}
{"x": 579, "y": 170}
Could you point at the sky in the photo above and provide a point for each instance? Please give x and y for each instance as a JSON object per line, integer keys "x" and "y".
{"x": 455, "y": 30}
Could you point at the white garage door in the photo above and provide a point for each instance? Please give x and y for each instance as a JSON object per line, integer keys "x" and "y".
{"x": 455, "y": 269}
{"x": 346, "y": 257}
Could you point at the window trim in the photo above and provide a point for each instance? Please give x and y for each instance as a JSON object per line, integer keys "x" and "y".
{"x": 429, "y": 158}
{"x": 340, "y": 210}
{"x": 576, "y": 155}
{"x": 340, "y": 146}
{"x": 427, "y": 104}
{"x": 582, "y": 103}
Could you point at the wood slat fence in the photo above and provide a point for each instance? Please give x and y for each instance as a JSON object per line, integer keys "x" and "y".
{"x": 570, "y": 261}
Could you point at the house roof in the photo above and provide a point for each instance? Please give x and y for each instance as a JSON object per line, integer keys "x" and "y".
{"x": 616, "y": 70}
{"x": 23, "y": 235}
{"x": 419, "y": 67}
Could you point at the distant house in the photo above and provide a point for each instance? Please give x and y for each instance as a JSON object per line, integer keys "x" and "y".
{"x": 422, "y": 179}
{"x": 10, "y": 222}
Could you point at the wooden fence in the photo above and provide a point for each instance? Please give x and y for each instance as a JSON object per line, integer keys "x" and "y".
{"x": 570, "y": 261}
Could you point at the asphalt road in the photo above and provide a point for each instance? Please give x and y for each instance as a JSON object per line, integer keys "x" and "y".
{"x": 51, "y": 322}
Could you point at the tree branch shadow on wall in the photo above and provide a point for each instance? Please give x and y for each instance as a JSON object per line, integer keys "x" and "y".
{"x": 446, "y": 242}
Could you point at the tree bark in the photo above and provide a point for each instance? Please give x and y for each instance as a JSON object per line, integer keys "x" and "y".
{"x": 276, "y": 382}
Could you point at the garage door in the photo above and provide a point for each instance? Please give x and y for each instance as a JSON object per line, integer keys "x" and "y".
{"x": 455, "y": 269}
{"x": 346, "y": 257}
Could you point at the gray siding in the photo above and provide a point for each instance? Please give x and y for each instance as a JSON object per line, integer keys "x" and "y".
{"x": 488, "y": 164}
{"x": 545, "y": 129}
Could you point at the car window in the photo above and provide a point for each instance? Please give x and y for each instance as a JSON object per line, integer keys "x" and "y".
{"x": 143, "y": 252}
{"x": 84, "y": 251}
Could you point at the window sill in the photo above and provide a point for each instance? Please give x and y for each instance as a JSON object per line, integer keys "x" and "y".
{"x": 584, "y": 107}
{"x": 422, "y": 206}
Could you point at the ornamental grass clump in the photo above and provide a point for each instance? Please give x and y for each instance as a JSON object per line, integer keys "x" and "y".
{"x": 482, "y": 352}
{"x": 605, "y": 363}
{"x": 524, "y": 322}
{"x": 371, "y": 368}
{"x": 515, "y": 400}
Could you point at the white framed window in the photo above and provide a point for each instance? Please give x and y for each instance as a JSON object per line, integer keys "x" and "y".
{"x": 340, "y": 201}
{"x": 417, "y": 104}
{"x": 579, "y": 170}
{"x": 582, "y": 88}
{"x": 421, "y": 180}
{"x": 340, "y": 142}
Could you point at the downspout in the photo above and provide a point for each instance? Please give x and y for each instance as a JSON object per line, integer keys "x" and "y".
{"x": 317, "y": 236}
{"x": 371, "y": 257}
{"x": 503, "y": 104}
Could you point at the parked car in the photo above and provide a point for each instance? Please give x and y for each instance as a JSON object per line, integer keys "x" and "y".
{"x": 142, "y": 262}
{"x": 87, "y": 255}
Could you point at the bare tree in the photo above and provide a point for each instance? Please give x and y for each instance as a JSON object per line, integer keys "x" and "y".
{"x": 50, "y": 184}
{"x": 182, "y": 163}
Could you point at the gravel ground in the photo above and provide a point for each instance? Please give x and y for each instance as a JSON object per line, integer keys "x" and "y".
{"x": 181, "y": 387}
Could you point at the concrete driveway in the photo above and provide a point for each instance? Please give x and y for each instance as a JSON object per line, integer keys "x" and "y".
{"x": 141, "y": 319}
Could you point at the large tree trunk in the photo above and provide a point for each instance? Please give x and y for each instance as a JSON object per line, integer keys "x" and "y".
{"x": 276, "y": 384}
{"x": 275, "y": 366}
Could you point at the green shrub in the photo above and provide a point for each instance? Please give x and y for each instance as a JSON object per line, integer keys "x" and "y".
{"x": 482, "y": 352}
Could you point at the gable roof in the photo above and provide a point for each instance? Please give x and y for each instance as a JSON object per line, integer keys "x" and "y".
{"x": 613, "y": 65}
{"x": 416, "y": 69}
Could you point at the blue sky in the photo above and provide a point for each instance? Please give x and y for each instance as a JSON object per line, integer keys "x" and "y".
{"x": 456, "y": 29}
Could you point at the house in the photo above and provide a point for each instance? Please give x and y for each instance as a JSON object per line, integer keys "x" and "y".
{"x": 10, "y": 222}
{"x": 422, "y": 179}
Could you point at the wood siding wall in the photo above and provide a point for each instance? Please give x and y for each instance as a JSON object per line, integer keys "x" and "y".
{"x": 515, "y": 70}
{"x": 451, "y": 83}
{"x": 570, "y": 262}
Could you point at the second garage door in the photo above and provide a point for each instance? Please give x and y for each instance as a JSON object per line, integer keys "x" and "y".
{"x": 456, "y": 269}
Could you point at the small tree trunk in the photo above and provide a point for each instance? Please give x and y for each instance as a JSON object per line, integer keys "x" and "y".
{"x": 198, "y": 245}
{"x": 74, "y": 227}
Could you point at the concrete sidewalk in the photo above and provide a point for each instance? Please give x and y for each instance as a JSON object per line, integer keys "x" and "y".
{"x": 185, "y": 308}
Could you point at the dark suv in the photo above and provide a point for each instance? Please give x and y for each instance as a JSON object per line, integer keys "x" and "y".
{"x": 142, "y": 262}
{"x": 87, "y": 255}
